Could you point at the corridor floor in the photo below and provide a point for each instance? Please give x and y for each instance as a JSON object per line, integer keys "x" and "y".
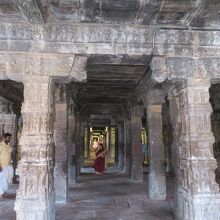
{"x": 102, "y": 197}
{"x": 111, "y": 197}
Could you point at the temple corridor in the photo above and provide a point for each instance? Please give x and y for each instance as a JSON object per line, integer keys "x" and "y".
{"x": 128, "y": 87}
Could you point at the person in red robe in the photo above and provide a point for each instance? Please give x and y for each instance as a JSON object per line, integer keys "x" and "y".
{"x": 99, "y": 163}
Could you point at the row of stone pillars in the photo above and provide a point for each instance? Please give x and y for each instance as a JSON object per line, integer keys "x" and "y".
{"x": 156, "y": 177}
{"x": 197, "y": 194}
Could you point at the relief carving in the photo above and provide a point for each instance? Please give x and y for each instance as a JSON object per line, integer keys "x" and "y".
{"x": 31, "y": 10}
{"x": 8, "y": 10}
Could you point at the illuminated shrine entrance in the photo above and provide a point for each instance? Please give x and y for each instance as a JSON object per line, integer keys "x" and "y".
{"x": 93, "y": 136}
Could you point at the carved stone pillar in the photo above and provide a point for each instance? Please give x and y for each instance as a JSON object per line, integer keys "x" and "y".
{"x": 197, "y": 192}
{"x": 35, "y": 196}
{"x": 156, "y": 177}
{"x": 61, "y": 145}
{"x": 137, "y": 155}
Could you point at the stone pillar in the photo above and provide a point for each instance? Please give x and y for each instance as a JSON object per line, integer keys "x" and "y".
{"x": 176, "y": 128}
{"x": 88, "y": 143}
{"x": 198, "y": 196}
{"x": 60, "y": 139}
{"x": 127, "y": 131}
{"x": 35, "y": 196}
{"x": 167, "y": 135}
{"x": 156, "y": 177}
{"x": 121, "y": 146}
{"x": 112, "y": 144}
{"x": 137, "y": 155}
{"x": 78, "y": 144}
{"x": 71, "y": 146}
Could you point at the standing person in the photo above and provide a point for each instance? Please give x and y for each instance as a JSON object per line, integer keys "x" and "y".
{"x": 99, "y": 163}
{"x": 6, "y": 170}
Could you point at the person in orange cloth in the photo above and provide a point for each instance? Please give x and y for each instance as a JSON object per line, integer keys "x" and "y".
{"x": 99, "y": 163}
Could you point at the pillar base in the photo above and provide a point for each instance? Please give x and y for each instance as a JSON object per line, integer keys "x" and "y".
{"x": 60, "y": 182}
{"x": 35, "y": 210}
{"x": 156, "y": 186}
{"x": 197, "y": 207}
{"x": 137, "y": 173}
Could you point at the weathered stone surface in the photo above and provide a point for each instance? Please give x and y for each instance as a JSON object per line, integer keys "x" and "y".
{"x": 169, "y": 68}
{"x": 69, "y": 68}
{"x": 197, "y": 192}
{"x": 54, "y": 38}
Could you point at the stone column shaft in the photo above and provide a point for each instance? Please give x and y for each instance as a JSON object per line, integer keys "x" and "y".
{"x": 137, "y": 155}
{"x": 197, "y": 192}
{"x": 176, "y": 125}
{"x": 61, "y": 148}
{"x": 71, "y": 148}
{"x": 156, "y": 177}
{"x": 35, "y": 196}
{"x": 78, "y": 144}
{"x": 127, "y": 130}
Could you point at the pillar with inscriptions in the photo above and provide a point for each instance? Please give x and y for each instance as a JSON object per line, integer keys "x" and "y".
{"x": 198, "y": 196}
{"x": 35, "y": 196}
{"x": 137, "y": 155}
{"x": 156, "y": 176}
{"x": 61, "y": 144}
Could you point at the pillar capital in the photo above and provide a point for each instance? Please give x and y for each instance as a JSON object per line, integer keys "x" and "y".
{"x": 180, "y": 68}
{"x": 155, "y": 97}
{"x": 21, "y": 66}
{"x": 136, "y": 111}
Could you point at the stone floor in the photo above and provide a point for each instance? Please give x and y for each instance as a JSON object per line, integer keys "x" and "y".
{"x": 111, "y": 196}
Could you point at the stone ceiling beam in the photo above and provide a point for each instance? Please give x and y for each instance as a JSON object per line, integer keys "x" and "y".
{"x": 108, "y": 39}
